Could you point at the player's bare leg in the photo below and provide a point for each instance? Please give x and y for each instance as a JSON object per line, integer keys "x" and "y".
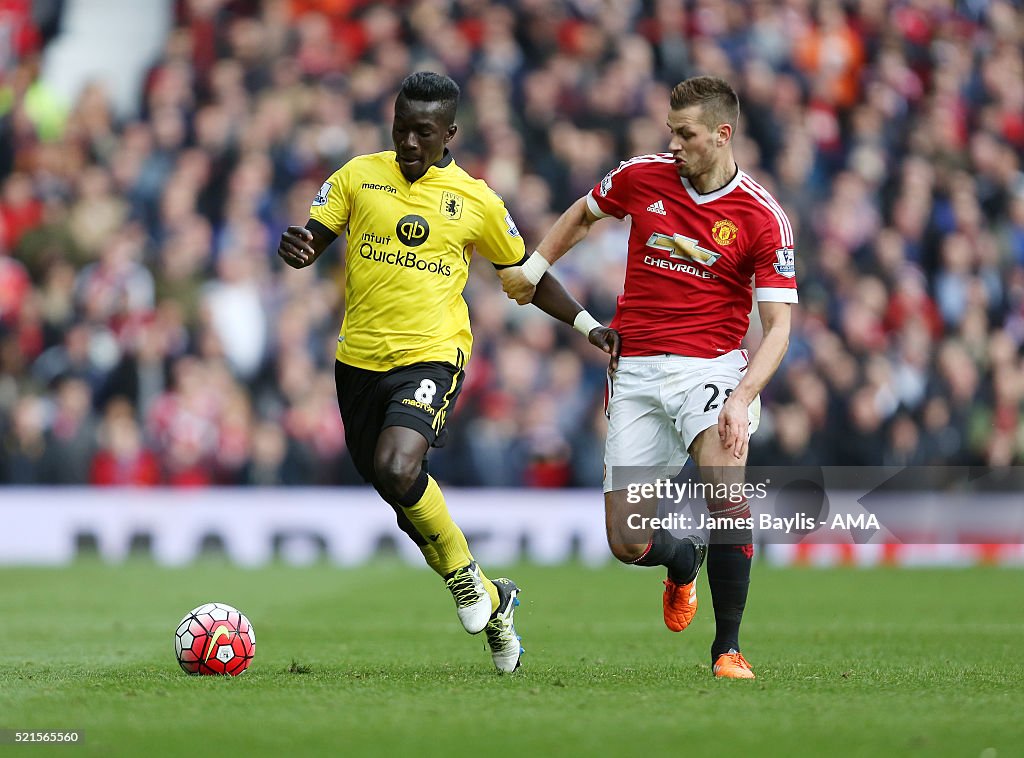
{"x": 730, "y": 550}
{"x": 632, "y": 541}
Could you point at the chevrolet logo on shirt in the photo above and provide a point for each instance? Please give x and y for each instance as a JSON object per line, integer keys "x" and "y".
{"x": 681, "y": 246}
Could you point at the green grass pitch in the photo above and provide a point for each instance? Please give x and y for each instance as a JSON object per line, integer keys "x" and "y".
{"x": 373, "y": 662}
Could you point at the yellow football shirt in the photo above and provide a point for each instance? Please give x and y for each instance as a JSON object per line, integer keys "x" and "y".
{"x": 409, "y": 247}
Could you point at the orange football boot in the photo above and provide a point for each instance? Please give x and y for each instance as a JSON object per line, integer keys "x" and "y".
{"x": 732, "y": 665}
{"x": 679, "y": 603}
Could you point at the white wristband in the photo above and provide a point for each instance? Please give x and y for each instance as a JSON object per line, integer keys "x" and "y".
{"x": 535, "y": 267}
{"x": 585, "y": 323}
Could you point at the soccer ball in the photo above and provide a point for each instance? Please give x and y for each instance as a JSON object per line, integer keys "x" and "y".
{"x": 214, "y": 639}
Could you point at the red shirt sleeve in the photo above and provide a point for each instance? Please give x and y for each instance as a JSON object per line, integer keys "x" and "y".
{"x": 610, "y": 195}
{"x": 774, "y": 260}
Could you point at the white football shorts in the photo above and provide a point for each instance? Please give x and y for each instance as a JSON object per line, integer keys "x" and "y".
{"x": 657, "y": 405}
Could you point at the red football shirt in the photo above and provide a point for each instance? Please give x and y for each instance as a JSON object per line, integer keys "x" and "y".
{"x": 691, "y": 257}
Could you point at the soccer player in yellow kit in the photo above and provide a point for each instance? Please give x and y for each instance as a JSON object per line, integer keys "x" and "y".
{"x": 413, "y": 218}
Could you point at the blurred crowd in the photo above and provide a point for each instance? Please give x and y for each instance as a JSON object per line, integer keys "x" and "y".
{"x": 149, "y": 335}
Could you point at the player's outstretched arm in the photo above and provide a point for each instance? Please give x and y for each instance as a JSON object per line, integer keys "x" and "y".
{"x": 552, "y": 298}
{"x": 733, "y": 420}
{"x": 520, "y": 282}
{"x": 300, "y": 246}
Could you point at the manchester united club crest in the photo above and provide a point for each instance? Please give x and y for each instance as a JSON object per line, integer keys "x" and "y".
{"x": 724, "y": 232}
{"x": 451, "y": 204}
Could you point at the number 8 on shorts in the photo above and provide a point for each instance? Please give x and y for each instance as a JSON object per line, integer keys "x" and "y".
{"x": 425, "y": 393}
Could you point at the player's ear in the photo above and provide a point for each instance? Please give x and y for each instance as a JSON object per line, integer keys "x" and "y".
{"x": 724, "y": 134}
{"x": 450, "y": 133}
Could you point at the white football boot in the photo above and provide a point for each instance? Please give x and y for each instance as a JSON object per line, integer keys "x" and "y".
{"x": 505, "y": 644}
{"x": 472, "y": 602}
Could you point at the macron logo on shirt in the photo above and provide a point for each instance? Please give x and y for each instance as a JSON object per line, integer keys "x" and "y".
{"x": 657, "y": 207}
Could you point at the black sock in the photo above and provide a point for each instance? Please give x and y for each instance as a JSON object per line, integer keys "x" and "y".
{"x": 729, "y": 578}
{"x": 678, "y": 556}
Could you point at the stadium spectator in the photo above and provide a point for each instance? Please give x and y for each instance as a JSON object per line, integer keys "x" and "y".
{"x": 122, "y": 459}
{"x": 71, "y": 437}
{"x": 890, "y": 132}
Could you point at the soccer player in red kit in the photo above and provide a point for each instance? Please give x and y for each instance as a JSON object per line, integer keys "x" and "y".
{"x": 701, "y": 231}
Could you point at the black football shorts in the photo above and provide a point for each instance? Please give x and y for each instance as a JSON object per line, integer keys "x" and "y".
{"x": 419, "y": 397}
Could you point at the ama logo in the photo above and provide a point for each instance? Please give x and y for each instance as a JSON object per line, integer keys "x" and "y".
{"x": 412, "y": 230}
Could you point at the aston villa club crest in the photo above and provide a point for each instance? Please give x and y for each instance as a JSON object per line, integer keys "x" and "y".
{"x": 451, "y": 205}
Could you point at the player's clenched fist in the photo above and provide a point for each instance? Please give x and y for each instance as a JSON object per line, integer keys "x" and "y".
{"x": 516, "y": 285}
{"x": 294, "y": 247}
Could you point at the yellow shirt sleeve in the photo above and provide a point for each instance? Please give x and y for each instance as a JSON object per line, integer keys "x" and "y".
{"x": 499, "y": 240}
{"x": 333, "y": 203}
